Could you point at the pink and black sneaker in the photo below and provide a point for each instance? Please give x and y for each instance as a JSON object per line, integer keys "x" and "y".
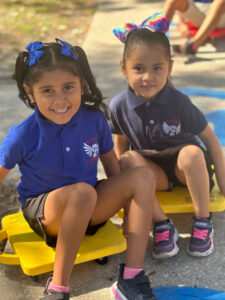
{"x": 165, "y": 240}
{"x": 201, "y": 242}
{"x": 130, "y": 289}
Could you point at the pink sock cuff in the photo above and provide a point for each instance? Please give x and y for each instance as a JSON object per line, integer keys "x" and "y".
{"x": 130, "y": 273}
{"x": 58, "y": 288}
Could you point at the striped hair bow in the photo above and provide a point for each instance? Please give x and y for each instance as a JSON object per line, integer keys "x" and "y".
{"x": 158, "y": 22}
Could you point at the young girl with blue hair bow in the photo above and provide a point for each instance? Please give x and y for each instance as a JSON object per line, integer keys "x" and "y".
{"x": 57, "y": 149}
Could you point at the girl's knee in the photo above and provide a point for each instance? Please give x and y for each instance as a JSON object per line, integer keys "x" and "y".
{"x": 130, "y": 159}
{"x": 81, "y": 195}
{"x": 143, "y": 176}
{"x": 190, "y": 156}
{"x": 180, "y": 5}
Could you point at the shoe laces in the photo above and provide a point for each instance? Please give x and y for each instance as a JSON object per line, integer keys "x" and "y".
{"x": 200, "y": 233}
{"x": 201, "y": 230}
{"x": 161, "y": 236}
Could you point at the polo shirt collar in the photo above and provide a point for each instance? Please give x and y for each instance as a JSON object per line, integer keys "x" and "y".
{"x": 48, "y": 128}
{"x": 134, "y": 101}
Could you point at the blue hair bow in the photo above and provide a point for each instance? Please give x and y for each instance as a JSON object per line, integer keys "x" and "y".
{"x": 66, "y": 49}
{"x": 34, "y": 52}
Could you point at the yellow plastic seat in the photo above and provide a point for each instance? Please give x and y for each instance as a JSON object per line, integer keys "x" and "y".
{"x": 179, "y": 201}
{"x": 35, "y": 257}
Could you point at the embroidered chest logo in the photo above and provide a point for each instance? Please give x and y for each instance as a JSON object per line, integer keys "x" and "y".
{"x": 171, "y": 129}
{"x": 92, "y": 150}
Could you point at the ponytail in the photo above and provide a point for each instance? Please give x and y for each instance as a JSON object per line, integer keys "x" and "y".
{"x": 92, "y": 96}
{"x": 21, "y": 69}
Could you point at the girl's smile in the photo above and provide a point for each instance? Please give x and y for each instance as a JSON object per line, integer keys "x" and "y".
{"x": 57, "y": 95}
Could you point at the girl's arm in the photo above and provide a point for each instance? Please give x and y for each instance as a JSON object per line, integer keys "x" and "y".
{"x": 121, "y": 144}
{"x": 216, "y": 154}
{"x": 182, "y": 27}
{"x": 110, "y": 163}
{"x": 3, "y": 173}
{"x": 210, "y": 22}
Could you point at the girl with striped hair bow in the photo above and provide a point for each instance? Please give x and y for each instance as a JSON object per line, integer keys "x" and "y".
{"x": 155, "y": 126}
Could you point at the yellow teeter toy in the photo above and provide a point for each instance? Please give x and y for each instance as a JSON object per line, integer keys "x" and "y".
{"x": 179, "y": 201}
{"x": 35, "y": 257}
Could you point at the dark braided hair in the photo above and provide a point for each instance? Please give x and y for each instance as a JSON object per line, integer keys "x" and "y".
{"x": 52, "y": 59}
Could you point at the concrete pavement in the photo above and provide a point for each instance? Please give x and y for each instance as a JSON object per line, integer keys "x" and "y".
{"x": 90, "y": 281}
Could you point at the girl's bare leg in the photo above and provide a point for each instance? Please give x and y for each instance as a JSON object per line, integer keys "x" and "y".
{"x": 170, "y": 6}
{"x": 191, "y": 170}
{"x": 136, "y": 186}
{"x": 131, "y": 159}
{"x": 67, "y": 213}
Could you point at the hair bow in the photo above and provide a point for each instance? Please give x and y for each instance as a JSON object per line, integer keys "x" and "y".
{"x": 34, "y": 52}
{"x": 66, "y": 48}
{"x": 157, "y": 23}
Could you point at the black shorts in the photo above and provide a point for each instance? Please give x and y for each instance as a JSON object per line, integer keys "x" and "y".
{"x": 33, "y": 212}
{"x": 167, "y": 160}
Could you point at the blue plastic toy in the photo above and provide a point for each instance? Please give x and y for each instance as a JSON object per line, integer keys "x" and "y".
{"x": 187, "y": 293}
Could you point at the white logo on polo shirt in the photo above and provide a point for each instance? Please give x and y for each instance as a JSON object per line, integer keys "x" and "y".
{"x": 91, "y": 151}
{"x": 171, "y": 130}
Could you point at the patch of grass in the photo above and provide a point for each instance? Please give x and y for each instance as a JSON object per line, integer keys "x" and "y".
{"x": 25, "y": 21}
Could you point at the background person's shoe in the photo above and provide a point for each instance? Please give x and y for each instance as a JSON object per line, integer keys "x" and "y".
{"x": 187, "y": 48}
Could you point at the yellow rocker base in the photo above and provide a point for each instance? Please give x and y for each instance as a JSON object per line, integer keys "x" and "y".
{"x": 179, "y": 201}
{"x": 35, "y": 257}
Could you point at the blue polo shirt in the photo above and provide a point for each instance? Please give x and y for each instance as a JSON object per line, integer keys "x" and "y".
{"x": 50, "y": 156}
{"x": 204, "y": 1}
{"x": 168, "y": 120}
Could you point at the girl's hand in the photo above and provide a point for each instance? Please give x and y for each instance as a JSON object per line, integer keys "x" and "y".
{"x": 214, "y": 149}
{"x": 3, "y": 173}
{"x": 222, "y": 189}
{"x": 184, "y": 30}
{"x": 2, "y": 245}
{"x": 125, "y": 219}
{"x": 125, "y": 226}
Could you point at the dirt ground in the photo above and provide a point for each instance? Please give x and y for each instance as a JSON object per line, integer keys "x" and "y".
{"x": 26, "y": 21}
